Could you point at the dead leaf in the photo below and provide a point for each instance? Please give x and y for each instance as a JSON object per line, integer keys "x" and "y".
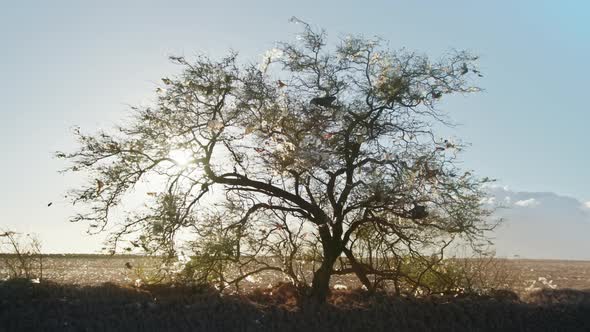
{"x": 99, "y": 186}
{"x": 214, "y": 124}
{"x": 248, "y": 130}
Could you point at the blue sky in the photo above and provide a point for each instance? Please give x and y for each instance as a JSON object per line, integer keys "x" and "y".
{"x": 82, "y": 63}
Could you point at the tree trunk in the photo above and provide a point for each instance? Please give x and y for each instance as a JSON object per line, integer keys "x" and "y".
{"x": 320, "y": 285}
{"x": 359, "y": 270}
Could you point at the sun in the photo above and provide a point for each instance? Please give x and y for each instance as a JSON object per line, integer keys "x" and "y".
{"x": 181, "y": 157}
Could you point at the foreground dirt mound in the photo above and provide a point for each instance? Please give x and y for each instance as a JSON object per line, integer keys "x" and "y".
{"x": 53, "y": 307}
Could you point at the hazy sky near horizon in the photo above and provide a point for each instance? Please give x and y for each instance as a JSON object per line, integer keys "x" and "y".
{"x": 67, "y": 63}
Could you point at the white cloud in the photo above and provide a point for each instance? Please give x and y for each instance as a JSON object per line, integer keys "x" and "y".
{"x": 586, "y": 205}
{"x": 527, "y": 202}
{"x": 496, "y": 186}
{"x": 488, "y": 200}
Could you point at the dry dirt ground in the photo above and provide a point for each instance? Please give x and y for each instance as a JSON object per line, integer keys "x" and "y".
{"x": 97, "y": 269}
{"x": 563, "y": 274}
{"x": 92, "y": 293}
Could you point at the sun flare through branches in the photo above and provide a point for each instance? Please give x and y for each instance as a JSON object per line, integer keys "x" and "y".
{"x": 181, "y": 157}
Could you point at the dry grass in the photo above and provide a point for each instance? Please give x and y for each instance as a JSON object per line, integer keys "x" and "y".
{"x": 76, "y": 297}
{"x": 50, "y": 306}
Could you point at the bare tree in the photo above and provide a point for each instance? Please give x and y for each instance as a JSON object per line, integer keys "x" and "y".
{"x": 323, "y": 152}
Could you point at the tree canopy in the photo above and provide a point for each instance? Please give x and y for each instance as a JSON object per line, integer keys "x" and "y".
{"x": 320, "y": 158}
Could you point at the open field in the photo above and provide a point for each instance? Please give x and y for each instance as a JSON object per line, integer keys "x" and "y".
{"x": 93, "y": 293}
{"x": 98, "y": 269}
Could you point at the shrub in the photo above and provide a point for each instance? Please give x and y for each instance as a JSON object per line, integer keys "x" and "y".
{"x": 21, "y": 255}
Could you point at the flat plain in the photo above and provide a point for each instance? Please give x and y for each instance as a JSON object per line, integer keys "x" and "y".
{"x": 89, "y": 270}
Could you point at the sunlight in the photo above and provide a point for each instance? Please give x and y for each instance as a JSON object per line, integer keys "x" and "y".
{"x": 182, "y": 157}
